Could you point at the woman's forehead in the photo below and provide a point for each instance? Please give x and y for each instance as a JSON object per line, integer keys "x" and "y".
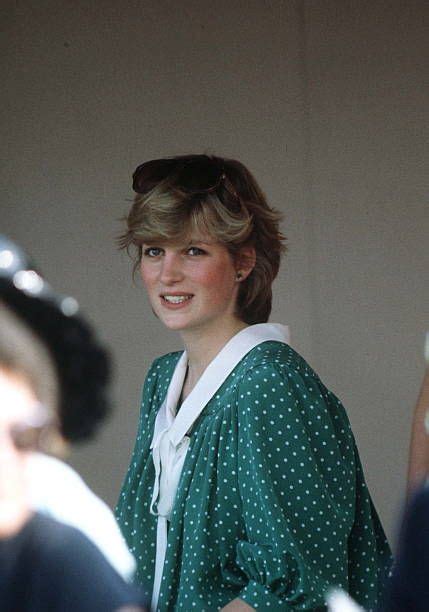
{"x": 193, "y": 236}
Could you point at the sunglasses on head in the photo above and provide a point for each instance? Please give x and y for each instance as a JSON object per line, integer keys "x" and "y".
{"x": 193, "y": 174}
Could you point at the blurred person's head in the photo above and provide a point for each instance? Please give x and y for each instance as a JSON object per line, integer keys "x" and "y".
{"x": 53, "y": 378}
{"x": 28, "y": 389}
{"x": 24, "y": 355}
{"x": 45, "y": 340}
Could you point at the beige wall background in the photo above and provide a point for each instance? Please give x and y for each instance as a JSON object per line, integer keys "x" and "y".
{"x": 325, "y": 101}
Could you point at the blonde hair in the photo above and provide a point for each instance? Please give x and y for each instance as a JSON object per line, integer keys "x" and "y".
{"x": 234, "y": 212}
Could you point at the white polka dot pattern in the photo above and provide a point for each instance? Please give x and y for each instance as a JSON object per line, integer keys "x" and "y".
{"x": 272, "y": 505}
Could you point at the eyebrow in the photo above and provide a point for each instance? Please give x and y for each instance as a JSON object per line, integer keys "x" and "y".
{"x": 163, "y": 242}
{"x": 196, "y": 241}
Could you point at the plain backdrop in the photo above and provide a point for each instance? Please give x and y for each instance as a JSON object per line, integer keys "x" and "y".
{"x": 325, "y": 101}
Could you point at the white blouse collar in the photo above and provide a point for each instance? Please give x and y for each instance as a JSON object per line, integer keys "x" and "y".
{"x": 211, "y": 380}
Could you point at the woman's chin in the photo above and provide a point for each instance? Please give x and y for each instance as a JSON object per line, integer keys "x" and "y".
{"x": 174, "y": 323}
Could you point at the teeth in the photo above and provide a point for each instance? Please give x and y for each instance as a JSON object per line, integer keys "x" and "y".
{"x": 176, "y": 299}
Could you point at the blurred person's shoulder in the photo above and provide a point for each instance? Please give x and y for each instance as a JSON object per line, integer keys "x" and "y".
{"x": 58, "y": 568}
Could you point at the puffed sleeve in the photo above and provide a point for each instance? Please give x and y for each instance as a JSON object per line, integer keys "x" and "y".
{"x": 296, "y": 472}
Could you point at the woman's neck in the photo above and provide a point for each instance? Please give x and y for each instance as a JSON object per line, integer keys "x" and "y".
{"x": 202, "y": 348}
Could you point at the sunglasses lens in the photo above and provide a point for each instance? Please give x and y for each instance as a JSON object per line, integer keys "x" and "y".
{"x": 191, "y": 174}
{"x": 149, "y": 174}
{"x": 200, "y": 176}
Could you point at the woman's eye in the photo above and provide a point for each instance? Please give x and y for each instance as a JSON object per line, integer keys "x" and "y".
{"x": 195, "y": 251}
{"x": 152, "y": 252}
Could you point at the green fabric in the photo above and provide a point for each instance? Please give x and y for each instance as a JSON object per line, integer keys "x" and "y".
{"x": 271, "y": 507}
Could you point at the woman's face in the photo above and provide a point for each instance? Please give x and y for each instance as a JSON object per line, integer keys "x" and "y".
{"x": 192, "y": 284}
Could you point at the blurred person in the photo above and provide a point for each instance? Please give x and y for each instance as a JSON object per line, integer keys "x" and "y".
{"x": 74, "y": 388}
{"x": 46, "y": 353}
{"x": 407, "y": 590}
{"x": 409, "y": 587}
{"x": 418, "y": 465}
{"x": 245, "y": 488}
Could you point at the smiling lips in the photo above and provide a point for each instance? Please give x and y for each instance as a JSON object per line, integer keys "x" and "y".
{"x": 176, "y": 300}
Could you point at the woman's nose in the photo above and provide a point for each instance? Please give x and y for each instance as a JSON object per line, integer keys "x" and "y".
{"x": 171, "y": 269}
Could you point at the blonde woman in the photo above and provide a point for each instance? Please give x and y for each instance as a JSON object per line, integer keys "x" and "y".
{"x": 245, "y": 489}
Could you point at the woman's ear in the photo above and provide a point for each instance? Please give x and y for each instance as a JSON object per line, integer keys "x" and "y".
{"x": 245, "y": 262}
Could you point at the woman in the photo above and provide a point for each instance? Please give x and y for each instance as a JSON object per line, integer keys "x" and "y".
{"x": 245, "y": 489}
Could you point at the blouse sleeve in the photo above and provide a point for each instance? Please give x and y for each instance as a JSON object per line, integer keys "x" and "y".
{"x": 297, "y": 485}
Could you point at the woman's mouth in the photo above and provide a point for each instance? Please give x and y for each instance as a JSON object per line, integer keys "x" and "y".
{"x": 176, "y": 300}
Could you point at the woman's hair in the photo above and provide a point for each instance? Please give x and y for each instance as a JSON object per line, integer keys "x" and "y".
{"x": 219, "y": 198}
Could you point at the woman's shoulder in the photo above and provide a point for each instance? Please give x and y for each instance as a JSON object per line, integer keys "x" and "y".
{"x": 164, "y": 364}
{"x": 273, "y": 374}
{"x": 162, "y": 368}
{"x": 276, "y": 357}
{"x": 169, "y": 360}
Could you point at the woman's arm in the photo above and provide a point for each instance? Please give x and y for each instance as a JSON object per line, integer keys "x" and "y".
{"x": 418, "y": 465}
{"x": 296, "y": 518}
{"x": 304, "y": 501}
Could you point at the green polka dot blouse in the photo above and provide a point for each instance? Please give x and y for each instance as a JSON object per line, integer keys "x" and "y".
{"x": 271, "y": 505}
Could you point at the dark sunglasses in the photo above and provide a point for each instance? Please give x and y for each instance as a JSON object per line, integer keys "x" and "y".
{"x": 193, "y": 174}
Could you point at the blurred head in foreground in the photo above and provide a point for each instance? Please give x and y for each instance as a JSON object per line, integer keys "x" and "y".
{"x": 46, "y": 342}
{"x": 53, "y": 376}
{"x": 53, "y": 388}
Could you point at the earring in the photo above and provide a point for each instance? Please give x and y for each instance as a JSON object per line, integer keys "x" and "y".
{"x": 239, "y": 276}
